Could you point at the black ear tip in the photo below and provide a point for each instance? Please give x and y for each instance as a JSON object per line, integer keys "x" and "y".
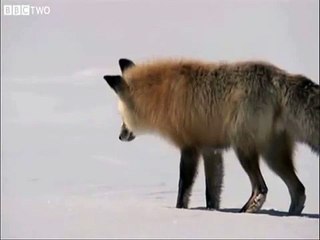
{"x": 112, "y": 80}
{"x": 124, "y": 60}
{"x": 125, "y": 63}
{"x": 109, "y": 79}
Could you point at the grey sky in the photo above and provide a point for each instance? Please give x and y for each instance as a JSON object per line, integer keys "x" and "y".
{"x": 79, "y": 35}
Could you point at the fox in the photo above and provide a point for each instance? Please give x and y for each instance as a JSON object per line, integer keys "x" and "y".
{"x": 253, "y": 107}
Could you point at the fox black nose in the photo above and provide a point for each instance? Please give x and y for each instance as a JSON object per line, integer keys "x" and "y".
{"x": 122, "y": 138}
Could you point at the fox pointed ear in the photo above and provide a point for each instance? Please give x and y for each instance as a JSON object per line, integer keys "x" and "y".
{"x": 117, "y": 83}
{"x": 125, "y": 64}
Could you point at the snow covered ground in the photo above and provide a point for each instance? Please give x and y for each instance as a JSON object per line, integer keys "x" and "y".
{"x": 64, "y": 171}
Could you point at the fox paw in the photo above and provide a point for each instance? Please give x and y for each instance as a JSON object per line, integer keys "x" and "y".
{"x": 255, "y": 204}
{"x": 297, "y": 206}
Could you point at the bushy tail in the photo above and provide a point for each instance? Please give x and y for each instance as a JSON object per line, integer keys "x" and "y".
{"x": 302, "y": 107}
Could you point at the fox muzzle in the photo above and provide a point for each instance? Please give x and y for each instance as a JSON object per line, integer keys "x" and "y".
{"x": 126, "y": 135}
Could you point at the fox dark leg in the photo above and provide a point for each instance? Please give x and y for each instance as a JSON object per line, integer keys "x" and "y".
{"x": 278, "y": 156}
{"x": 188, "y": 168}
{"x": 249, "y": 160}
{"x": 213, "y": 167}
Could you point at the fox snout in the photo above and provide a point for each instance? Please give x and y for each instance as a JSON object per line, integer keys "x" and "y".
{"x": 126, "y": 135}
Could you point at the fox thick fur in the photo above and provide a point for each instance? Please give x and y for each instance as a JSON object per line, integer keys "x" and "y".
{"x": 254, "y": 107}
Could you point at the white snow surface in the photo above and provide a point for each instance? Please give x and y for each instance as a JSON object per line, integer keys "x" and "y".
{"x": 64, "y": 172}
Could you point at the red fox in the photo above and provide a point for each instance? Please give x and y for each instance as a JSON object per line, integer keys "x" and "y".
{"x": 255, "y": 108}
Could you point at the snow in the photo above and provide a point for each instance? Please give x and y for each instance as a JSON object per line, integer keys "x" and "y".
{"x": 64, "y": 172}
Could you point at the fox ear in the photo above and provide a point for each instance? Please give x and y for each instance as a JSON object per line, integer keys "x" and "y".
{"x": 117, "y": 83}
{"x": 125, "y": 64}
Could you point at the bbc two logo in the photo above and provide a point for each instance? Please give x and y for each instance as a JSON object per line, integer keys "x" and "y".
{"x": 25, "y": 10}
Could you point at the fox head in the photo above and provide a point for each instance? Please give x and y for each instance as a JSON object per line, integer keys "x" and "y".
{"x": 130, "y": 126}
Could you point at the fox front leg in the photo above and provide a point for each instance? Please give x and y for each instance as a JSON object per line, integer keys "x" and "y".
{"x": 188, "y": 168}
{"x": 213, "y": 168}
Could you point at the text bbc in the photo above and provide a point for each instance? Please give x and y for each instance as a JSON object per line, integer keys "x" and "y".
{"x": 25, "y": 10}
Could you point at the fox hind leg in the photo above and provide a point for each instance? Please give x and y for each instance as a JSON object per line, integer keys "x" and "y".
{"x": 278, "y": 155}
{"x": 249, "y": 160}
